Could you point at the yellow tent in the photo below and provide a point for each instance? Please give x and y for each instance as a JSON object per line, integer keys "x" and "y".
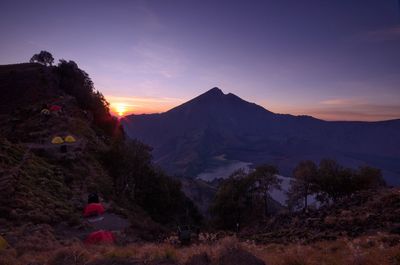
{"x": 3, "y": 243}
{"x": 70, "y": 139}
{"x": 45, "y": 112}
{"x": 57, "y": 140}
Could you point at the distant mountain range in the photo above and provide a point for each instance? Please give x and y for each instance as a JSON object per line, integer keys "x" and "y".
{"x": 217, "y": 130}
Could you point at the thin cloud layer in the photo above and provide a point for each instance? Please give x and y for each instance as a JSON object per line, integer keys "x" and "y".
{"x": 351, "y": 110}
{"x": 392, "y": 33}
{"x": 156, "y": 59}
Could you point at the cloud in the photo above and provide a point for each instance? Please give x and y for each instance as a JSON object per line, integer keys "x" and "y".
{"x": 143, "y": 99}
{"x": 157, "y": 59}
{"x": 374, "y": 113}
{"x": 353, "y": 109}
{"x": 341, "y": 102}
{"x": 149, "y": 19}
{"x": 385, "y": 34}
{"x": 345, "y": 109}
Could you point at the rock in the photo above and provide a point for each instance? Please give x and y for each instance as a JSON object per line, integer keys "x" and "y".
{"x": 199, "y": 259}
{"x": 237, "y": 256}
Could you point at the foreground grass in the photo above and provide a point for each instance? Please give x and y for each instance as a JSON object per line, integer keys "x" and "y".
{"x": 376, "y": 250}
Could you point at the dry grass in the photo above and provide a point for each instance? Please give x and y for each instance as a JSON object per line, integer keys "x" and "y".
{"x": 361, "y": 251}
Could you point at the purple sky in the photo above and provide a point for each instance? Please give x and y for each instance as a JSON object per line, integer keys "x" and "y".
{"x": 336, "y": 60}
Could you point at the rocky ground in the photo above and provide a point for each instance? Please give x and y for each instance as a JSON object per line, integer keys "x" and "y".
{"x": 364, "y": 213}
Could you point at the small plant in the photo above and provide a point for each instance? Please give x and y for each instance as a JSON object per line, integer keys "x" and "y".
{"x": 396, "y": 259}
{"x": 170, "y": 254}
{"x": 70, "y": 256}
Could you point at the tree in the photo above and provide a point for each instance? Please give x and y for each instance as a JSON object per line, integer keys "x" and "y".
{"x": 266, "y": 178}
{"x": 335, "y": 182}
{"x": 137, "y": 182}
{"x": 77, "y": 83}
{"x": 303, "y": 184}
{"x": 329, "y": 184}
{"x": 368, "y": 178}
{"x": 233, "y": 203}
{"x": 44, "y": 57}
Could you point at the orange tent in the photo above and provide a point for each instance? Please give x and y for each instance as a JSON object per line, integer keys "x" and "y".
{"x": 100, "y": 237}
{"x": 93, "y": 209}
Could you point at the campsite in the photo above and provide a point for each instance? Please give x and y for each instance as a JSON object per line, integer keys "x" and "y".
{"x": 199, "y": 132}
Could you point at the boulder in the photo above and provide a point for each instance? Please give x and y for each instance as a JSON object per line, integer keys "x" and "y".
{"x": 238, "y": 256}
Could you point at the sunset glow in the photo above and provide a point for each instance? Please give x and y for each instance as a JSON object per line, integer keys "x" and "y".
{"x": 121, "y": 106}
{"x": 340, "y": 61}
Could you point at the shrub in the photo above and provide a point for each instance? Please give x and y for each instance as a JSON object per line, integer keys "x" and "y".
{"x": 396, "y": 259}
{"x": 70, "y": 256}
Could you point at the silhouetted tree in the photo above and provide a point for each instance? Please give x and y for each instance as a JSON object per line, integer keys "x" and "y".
{"x": 138, "y": 182}
{"x": 77, "y": 83}
{"x": 232, "y": 203}
{"x": 303, "y": 183}
{"x": 330, "y": 182}
{"x": 44, "y": 57}
{"x": 367, "y": 177}
{"x": 266, "y": 179}
{"x": 334, "y": 181}
{"x": 244, "y": 198}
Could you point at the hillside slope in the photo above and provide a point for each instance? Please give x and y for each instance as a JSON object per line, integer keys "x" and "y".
{"x": 46, "y": 182}
{"x": 364, "y": 213}
{"x": 193, "y": 137}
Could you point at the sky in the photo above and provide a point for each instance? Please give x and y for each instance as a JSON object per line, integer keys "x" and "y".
{"x": 334, "y": 60}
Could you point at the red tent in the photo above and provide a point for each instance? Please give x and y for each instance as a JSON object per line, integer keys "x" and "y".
{"x": 93, "y": 209}
{"x": 55, "y": 108}
{"x": 100, "y": 237}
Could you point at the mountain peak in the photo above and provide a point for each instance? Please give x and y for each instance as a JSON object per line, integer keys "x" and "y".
{"x": 215, "y": 90}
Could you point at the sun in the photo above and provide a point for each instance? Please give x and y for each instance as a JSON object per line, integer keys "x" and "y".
{"x": 120, "y": 109}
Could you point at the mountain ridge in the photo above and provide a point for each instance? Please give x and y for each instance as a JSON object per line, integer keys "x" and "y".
{"x": 187, "y": 138}
{"x": 213, "y": 90}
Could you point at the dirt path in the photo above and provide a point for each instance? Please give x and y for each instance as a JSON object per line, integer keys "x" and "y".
{"x": 111, "y": 222}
